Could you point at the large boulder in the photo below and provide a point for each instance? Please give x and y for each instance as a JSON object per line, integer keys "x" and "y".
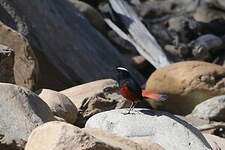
{"x": 62, "y": 136}
{"x": 187, "y": 84}
{"x": 158, "y": 127}
{"x": 20, "y": 112}
{"x": 212, "y": 109}
{"x": 69, "y": 50}
{"x": 94, "y": 97}
{"x": 60, "y": 105}
{"x": 23, "y": 69}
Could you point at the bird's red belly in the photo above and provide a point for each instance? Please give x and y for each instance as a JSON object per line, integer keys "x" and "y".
{"x": 125, "y": 92}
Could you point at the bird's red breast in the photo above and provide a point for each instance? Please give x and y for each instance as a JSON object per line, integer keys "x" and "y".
{"x": 125, "y": 92}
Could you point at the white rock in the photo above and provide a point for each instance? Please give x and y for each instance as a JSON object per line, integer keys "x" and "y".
{"x": 162, "y": 128}
{"x": 211, "y": 109}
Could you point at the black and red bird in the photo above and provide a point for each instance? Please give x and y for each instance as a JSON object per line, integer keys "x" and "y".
{"x": 131, "y": 90}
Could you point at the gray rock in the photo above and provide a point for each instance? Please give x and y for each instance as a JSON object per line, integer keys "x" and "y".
{"x": 20, "y": 112}
{"x": 211, "y": 109}
{"x": 162, "y": 128}
{"x": 68, "y": 48}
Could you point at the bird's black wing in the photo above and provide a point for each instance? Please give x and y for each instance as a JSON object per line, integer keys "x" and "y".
{"x": 134, "y": 88}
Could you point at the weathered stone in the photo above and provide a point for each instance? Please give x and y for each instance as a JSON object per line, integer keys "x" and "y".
{"x": 20, "y": 112}
{"x": 59, "y": 104}
{"x": 24, "y": 66}
{"x": 211, "y": 109}
{"x": 187, "y": 84}
{"x": 62, "y": 136}
{"x": 94, "y": 97}
{"x": 162, "y": 128}
{"x": 120, "y": 142}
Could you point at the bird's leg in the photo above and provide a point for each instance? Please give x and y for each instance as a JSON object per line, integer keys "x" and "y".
{"x": 132, "y": 105}
{"x": 135, "y": 103}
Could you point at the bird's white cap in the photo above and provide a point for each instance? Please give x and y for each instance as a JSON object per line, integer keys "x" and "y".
{"x": 122, "y": 68}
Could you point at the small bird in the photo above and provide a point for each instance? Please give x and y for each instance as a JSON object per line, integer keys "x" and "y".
{"x": 130, "y": 89}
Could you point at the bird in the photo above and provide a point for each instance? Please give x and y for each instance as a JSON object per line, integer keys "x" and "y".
{"x": 132, "y": 91}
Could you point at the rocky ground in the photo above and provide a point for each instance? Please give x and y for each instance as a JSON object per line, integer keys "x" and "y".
{"x": 58, "y": 88}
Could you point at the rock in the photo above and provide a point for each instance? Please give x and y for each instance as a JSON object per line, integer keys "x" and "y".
{"x": 194, "y": 121}
{"x": 216, "y": 142}
{"x": 156, "y": 9}
{"x": 183, "y": 27}
{"x": 94, "y": 97}
{"x": 6, "y": 64}
{"x": 206, "y": 14}
{"x": 20, "y": 112}
{"x": 78, "y": 93}
{"x": 120, "y": 142}
{"x": 59, "y": 104}
{"x": 146, "y": 142}
{"x": 63, "y": 136}
{"x": 187, "y": 84}
{"x": 162, "y": 128}
{"x": 59, "y": 56}
{"x": 93, "y": 16}
{"x": 220, "y": 4}
{"x": 22, "y": 58}
{"x": 206, "y": 45}
{"x": 212, "y": 109}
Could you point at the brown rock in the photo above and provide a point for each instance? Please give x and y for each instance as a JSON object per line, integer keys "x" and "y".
{"x": 94, "y": 97}
{"x": 25, "y": 67}
{"x": 187, "y": 84}
{"x": 60, "y": 105}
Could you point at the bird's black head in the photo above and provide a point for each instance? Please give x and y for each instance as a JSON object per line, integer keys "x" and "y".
{"x": 122, "y": 73}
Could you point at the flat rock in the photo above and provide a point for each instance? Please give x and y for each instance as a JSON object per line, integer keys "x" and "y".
{"x": 20, "y": 112}
{"x": 187, "y": 84}
{"x": 120, "y": 142}
{"x": 212, "y": 109}
{"x": 162, "y": 128}
{"x": 60, "y": 105}
{"x": 63, "y": 136}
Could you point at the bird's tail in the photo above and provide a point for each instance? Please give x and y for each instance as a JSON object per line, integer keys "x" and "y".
{"x": 154, "y": 96}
